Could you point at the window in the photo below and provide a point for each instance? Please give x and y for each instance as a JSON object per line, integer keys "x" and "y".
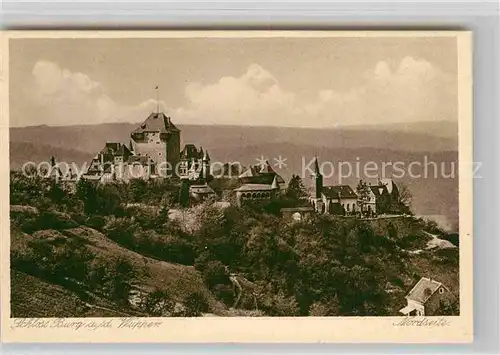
{"x": 441, "y": 290}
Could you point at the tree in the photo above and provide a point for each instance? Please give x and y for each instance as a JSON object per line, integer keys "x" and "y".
{"x": 296, "y": 190}
{"x": 184, "y": 194}
{"x": 86, "y": 192}
{"x": 404, "y": 199}
{"x": 137, "y": 189}
{"x": 363, "y": 191}
{"x": 123, "y": 275}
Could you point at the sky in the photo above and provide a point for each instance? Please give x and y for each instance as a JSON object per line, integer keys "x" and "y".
{"x": 293, "y": 82}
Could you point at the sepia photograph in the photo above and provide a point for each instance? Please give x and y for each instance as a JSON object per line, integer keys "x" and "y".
{"x": 265, "y": 176}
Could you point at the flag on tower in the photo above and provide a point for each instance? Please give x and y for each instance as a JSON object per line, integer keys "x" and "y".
{"x": 157, "y": 100}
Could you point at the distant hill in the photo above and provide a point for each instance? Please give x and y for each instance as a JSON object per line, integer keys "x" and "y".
{"x": 91, "y": 138}
{"x": 22, "y": 152}
{"x": 445, "y": 129}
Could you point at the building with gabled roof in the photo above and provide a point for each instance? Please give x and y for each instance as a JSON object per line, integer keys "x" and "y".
{"x": 258, "y": 184}
{"x": 338, "y": 199}
{"x": 260, "y": 174}
{"x": 425, "y": 297}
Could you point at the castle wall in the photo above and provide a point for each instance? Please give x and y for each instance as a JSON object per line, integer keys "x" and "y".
{"x": 153, "y": 146}
{"x": 173, "y": 150}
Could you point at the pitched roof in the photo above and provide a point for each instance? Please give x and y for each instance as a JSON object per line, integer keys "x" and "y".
{"x": 378, "y": 189}
{"x": 342, "y": 191}
{"x": 201, "y": 189}
{"x": 389, "y": 183}
{"x": 257, "y": 174}
{"x": 275, "y": 184}
{"x": 317, "y": 172}
{"x": 190, "y": 152}
{"x": 424, "y": 289}
{"x": 114, "y": 148}
{"x": 254, "y": 187}
{"x": 156, "y": 122}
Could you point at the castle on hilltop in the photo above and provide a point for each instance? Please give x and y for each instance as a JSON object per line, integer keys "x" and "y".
{"x": 153, "y": 152}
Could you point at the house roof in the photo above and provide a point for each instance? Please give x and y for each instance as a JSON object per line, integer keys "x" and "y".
{"x": 254, "y": 187}
{"x": 201, "y": 189}
{"x": 378, "y": 189}
{"x": 424, "y": 289}
{"x": 190, "y": 152}
{"x": 92, "y": 176}
{"x": 389, "y": 183}
{"x": 157, "y": 122}
{"x": 257, "y": 174}
{"x": 342, "y": 191}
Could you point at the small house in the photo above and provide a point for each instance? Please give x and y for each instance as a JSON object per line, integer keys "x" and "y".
{"x": 425, "y": 297}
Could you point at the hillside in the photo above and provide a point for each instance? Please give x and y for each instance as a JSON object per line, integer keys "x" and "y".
{"x": 152, "y": 274}
{"x": 104, "y": 251}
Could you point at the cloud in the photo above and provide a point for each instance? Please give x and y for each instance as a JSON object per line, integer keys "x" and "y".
{"x": 409, "y": 91}
{"x": 414, "y": 90}
{"x": 252, "y": 99}
{"x": 74, "y": 98}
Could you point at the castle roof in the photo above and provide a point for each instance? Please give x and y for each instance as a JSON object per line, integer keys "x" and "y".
{"x": 157, "y": 122}
{"x": 342, "y": 191}
{"x": 116, "y": 149}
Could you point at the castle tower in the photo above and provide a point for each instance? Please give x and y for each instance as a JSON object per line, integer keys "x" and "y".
{"x": 318, "y": 188}
{"x": 205, "y": 166}
{"x": 318, "y": 180}
{"x": 158, "y": 138}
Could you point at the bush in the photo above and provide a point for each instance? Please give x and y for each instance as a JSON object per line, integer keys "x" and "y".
{"x": 196, "y": 304}
{"x": 158, "y": 304}
{"x": 215, "y": 273}
{"x": 224, "y": 293}
{"x": 279, "y": 305}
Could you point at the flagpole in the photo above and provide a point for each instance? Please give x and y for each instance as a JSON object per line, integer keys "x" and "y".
{"x": 157, "y": 100}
